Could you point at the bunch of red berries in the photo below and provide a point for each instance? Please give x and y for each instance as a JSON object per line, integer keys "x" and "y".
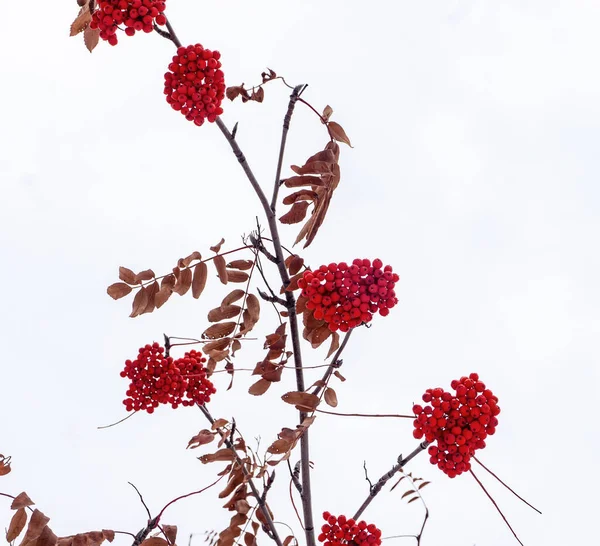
{"x": 459, "y": 423}
{"x": 134, "y": 15}
{"x": 347, "y": 296}
{"x": 339, "y": 531}
{"x": 195, "y": 84}
{"x": 158, "y": 379}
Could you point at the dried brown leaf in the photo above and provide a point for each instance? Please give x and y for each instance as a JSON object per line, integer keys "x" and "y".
{"x": 154, "y": 541}
{"x": 217, "y": 247}
{"x": 91, "y": 37}
{"x": 81, "y": 21}
{"x": 297, "y": 181}
{"x": 335, "y": 344}
{"x": 260, "y": 387}
{"x": 331, "y": 397}
{"x": 223, "y": 312}
{"x": 205, "y": 436}
{"x": 153, "y": 289}
{"x": 409, "y": 492}
{"x": 412, "y": 500}
{"x": 338, "y": 133}
{"x": 327, "y": 112}
{"x": 243, "y": 265}
{"x": 17, "y": 524}
{"x": 199, "y": 280}
{"x": 219, "y": 262}
{"x": 140, "y": 302}
{"x": 224, "y": 454}
{"x": 295, "y": 264}
{"x": 258, "y": 95}
{"x": 184, "y": 281}
{"x": 217, "y": 345}
{"x": 37, "y": 523}
{"x": 220, "y": 330}
{"x": 108, "y": 534}
{"x": 126, "y": 275}
{"x": 234, "y": 295}
{"x": 185, "y": 262}
{"x": 22, "y": 500}
{"x": 293, "y": 283}
{"x": 304, "y": 399}
{"x": 319, "y": 336}
{"x": 253, "y": 307}
{"x": 162, "y": 296}
{"x": 300, "y": 195}
{"x": 233, "y": 275}
{"x": 219, "y": 423}
{"x": 118, "y": 290}
{"x": 234, "y": 91}
{"x": 170, "y": 532}
{"x": 423, "y": 484}
{"x": 145, "y": 275}
{"x": 296, "y": 214}
{"x": 46, "y": 538}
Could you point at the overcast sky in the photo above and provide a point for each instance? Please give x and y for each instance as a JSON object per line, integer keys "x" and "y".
{"x": 474, "y": 173}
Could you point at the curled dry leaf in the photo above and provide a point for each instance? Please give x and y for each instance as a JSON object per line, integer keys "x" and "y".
{"x": 220, "y": 455}
{"x": 260, "y": 387}
{"x": 296, "y": 181}
{"x": 219, "y": 262}
{"x": 219, "y": 423}
{"x": 296, "y": 214}
{"x": 153, "y": 290}
{"x": 126, "y": 275}
{"x": 170, "y": 532}
{"x": 4, "y": 465}
{"x": 91, "y": 37}
{"x": 140, "y": 302}
{"x": 81, "y": 21}
{"x": 243, "y": 265}
{"x": 250, "y": 539}
{"x": 154, "y": 541}
{"x": 118, "y": 290}
{"x": 217, "y": 247}
{"x": 145, "y": 275}
{"x": 205, "y": 436}
{"x": 17, "y": 524}
{"x": 338, "y": 133}
{"x": 234, "y": 295}
{"x": 199, "y": 280}
{"x": 300, "y": 195}
{"x": 335, "y": 344}
{"x": 294, "y": 264}
{"x": 306, "y": 400}
{"x": 331, "y": 397}
{"x": 258, "y": 95}
{"x": 233, "y": 275}
{"x": 409, "y": 492}
{"x": 339, "y": 375}
{"x": 217, "y": 331}
{"x": 185, "y": 262}
{"x": 184, "y": 281}
{"x": 22, "y": 500}
{"x": 217, "y": 345}
{"x": 327, "y": 112}
{"x": 224, "y": 312}
{"x": 37, "y": 523}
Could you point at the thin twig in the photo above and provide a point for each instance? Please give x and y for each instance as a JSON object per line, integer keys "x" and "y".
{"x": 396, "y": 415}
{"x": 334, "y": 364}
{"x": 497, "y": 507}
{"x": 118, "y": 422}
{"x": 142, "y": 500}
{"x": 188, "y": 495}
{"x": 172, "y": 34}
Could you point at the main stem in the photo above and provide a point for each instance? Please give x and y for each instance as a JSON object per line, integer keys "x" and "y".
{"x": 290, "y": 304}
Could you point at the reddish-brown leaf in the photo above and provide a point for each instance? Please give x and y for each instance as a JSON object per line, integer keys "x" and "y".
{"x": 235, "y": 346}
{"x": 162, "y": 296}
{"x": 220, "y": 455}
{"x": 91, "y": 37}
{"x": 338, "y": 133}
{"x": 140, "y": 302}
{"x": 46, "y": 538}
{"x": 233, "y": 275}
{"x": 327, "y": 112}
{"x": 217, "y": 247}
{"x": 17, "y": 524}
{"x": 217, "y": 331}
{"x": 301, "y": 195}
{"x": 154, "y": 541}
{"x": 423, "y": 484}
{"x": 296, "y": 214}
{"x": 335, "y": 344}
{"x": 205, "y": 436}
{"x": 280, "y": 446}
{"x": 258, "y": 95}
{"x": 184, "y": 282}
{"x": 126, "y": 275}
{"x": 250, "y": 539}
{"x": 22, "y": 500}
{"x": 319, "y": 336}
{"x": 219, "y": 423}
{"x": 171, "y": 533}
{"x": 224, "y": 312}
{"x": 234, "y": 91}
{"x": 118, "y": 290}
{"x": 219, "y": 262}
{"x": 145, "y": 275}
{"x": 37, "y": 523}
{"x": 412, "y": 500}
{"x": 293, "y": 283}
{"x": 339, "y": 375}
{"x": 108, "y": 534}
{"x": 331, "y": 397}
{"x": 305, "y": 399}
{"x": 314, "y": 167}
{"x": 218, "y": 345}
{"x": 409, "y": 492}
{"x": 260, "y": 387}
{"x": 244, "y": 265}
{"x": 153, "y": 290}
{"x": 81, "y": 21}
{"x": 297, "y": 181}
{"x": 234, "y": 295}
{"x": 199, "y": 280}
{"x": 295, "y": 264}
{"x": 185, "y": 262}
{"x": 253, "y": 306}
{"x": 4, "y": 465}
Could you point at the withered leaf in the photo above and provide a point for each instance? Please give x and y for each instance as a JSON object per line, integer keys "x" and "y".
{"x": 140, "y": 302}
{"x": 331, "y": 397}
{"x": 108, "y": 534}
{"x": 217, "y": 247}
{"x": 234, "y": 91}
{"x": 219, "y": 262}
{"x": 295, "y": 264}
{"x": 4, "y": 465}
{"x": 260, "y": 387}
{"x": 296, "y": 181}
{"x": 235, "y": 346}
{"x": 224, "y": 312}
{"x": 319, "y": 336}
{"x": 185, "y": 262}
{"x": 412, "y": 500}
{"x": 205, "y": 436}
{"x": 155, "y": 541}
{"x": 241, "y": 264}
{"x": 423, "y": 484}
{"x": 304, "y": 399}
{"x": 338, "y": 133}
{"x": 118, "y": 290}
{"x": 280, "y": 446}
{"x": 220, "y": 455}
{"x": 300, "y": 195}
{"x": 296, "y": 214}
{"x": 233, "y": 275}
{"x": 170, "y": 532}
{"x": 217, "y": 331}
{"x": 184, "y": 282}
{"x": 250, "y": 539}
{"x": 327, "y": 112}
{"x": 17, "y": 524}
{"x": 335, "y": 344}
{"x": 339, "y": 375}
{"x": 234, "y": 295}
{"x": 314, "y": 167}
{"x": 294, "y": 283}
{"x": 126, "y": 275}
{"x": 37, "y": 523}
{"x": 258, "y": 95}
{"x": 145, "y": 275}
{"x": 253, "y": 306}
{"x": 81, "y": 21}
{"x": 46, "y": 538}
{"x": 199, "y": 280}
{"x": 153, "y": 290}
{"x": 22, "y": 500}
{"x": 91, "y": 37}
{"x": 219, "y": 423}
{"x": 217, "y": 345}
{"x": 162, "y": 296}
{"x": 409, "y": 492}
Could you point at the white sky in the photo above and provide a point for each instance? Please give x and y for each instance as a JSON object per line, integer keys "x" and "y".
{"x": 474, "y": 174}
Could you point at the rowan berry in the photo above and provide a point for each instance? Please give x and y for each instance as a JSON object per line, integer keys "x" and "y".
{"x": 339, "y": 531}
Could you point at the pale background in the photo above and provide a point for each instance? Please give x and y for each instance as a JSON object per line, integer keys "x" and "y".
{"x": 474, "y": 173}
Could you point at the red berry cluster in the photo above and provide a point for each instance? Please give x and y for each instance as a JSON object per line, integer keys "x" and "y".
{"x": 347, "y": 296}
{"x": 339, "y": 531}
{"x": 134, "y": 15}
{"x": 158, "y": 379}
{"x": 459, "y": 422}
{"x": 195, "y": 85}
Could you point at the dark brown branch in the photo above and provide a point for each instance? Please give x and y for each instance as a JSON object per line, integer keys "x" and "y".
{"x": 142, "y": 500}
{"x": 172, "y": 35}
{"x": 384, "y": 479}
{"x": 294, "y": 331}
{"x": 286, "y": 127}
